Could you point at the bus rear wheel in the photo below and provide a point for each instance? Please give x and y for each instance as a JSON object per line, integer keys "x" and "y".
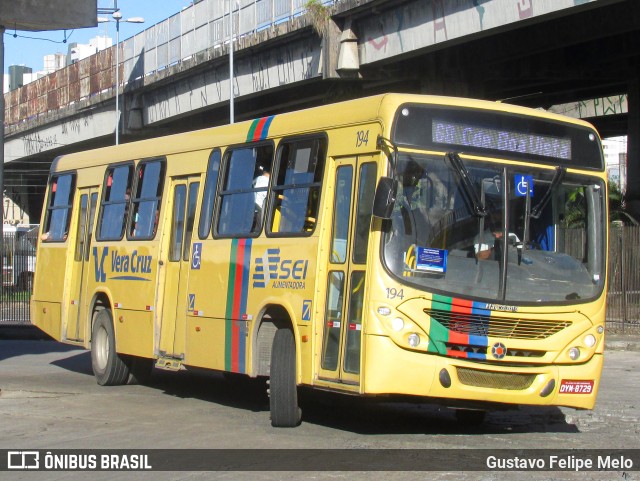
{"x": 108, "y": 367}
{"x": 283, "y": 392}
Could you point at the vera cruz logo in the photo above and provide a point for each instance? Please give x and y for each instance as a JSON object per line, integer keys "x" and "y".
{"x": 101, "y": 276}
{"x": 278, "y": 273}
{"x": 121, "y": 264}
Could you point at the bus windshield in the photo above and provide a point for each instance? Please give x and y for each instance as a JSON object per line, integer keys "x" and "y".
{"x": 485, "y": 230}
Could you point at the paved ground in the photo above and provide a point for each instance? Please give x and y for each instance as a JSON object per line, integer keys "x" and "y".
{"x": 49, "y": 400}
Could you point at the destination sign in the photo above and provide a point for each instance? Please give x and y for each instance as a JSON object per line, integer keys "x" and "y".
{"x": 453, "y": 133}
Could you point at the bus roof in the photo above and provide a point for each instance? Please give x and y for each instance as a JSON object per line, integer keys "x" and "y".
{"x": 367, "y": 109}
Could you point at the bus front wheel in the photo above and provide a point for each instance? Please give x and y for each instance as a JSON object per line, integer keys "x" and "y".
{"x": 283, "y": 392}
{"x": 108, "y": 367}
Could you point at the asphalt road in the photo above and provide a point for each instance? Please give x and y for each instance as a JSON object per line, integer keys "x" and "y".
{"x": 50, "y": 400}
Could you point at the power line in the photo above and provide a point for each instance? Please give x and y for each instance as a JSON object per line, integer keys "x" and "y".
{"x": 65, "y": 40}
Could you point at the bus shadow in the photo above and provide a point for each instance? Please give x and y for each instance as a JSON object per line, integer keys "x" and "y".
{"x": 367, "y": 416}
{"x": 221, "y": 388}
{"x": 15, "y": 348}
{"x": 80, "y": 363}
{"x": 358, "y": 415}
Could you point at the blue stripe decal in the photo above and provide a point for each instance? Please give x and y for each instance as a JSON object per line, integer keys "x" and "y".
{"x": 265, "y": 129}
{"x": 242, "y": 342}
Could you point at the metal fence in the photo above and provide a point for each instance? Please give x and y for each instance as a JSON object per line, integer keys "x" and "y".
{"x": 18, "y": 266}
{"x": 623, "y": 296}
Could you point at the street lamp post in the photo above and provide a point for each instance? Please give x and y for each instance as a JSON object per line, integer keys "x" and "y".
{"x": 231, "y": 94}
{"x": 117, "y": 18}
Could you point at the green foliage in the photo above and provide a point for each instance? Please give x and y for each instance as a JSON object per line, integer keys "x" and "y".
{"x": 617, "y": 210}
{"x": 575, "y": 209}
{"x": 575, "y": 213}
{"x": 319, "y": 15}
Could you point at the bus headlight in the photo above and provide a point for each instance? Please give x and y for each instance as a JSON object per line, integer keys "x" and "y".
{"x": 589, "y": 340}
{"x": 414, "y": 339}
{"x": 574, "y": 353}
{"x": 397, "y": 324}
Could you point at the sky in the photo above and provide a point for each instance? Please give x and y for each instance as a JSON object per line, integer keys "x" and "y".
{"x": 30, "y": 51}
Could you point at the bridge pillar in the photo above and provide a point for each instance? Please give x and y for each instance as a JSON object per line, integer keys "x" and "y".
{"x": 633, "y": 149}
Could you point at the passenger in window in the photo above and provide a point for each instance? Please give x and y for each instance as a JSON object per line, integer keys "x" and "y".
{"x": 262, "y": 181}
{"x": 46, "y": 237}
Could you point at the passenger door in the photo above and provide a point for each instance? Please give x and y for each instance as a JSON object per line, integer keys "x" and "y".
{"x": 355, "y": 182}
{"x": 78, "y": 308}
{"x": 179, "y": 264}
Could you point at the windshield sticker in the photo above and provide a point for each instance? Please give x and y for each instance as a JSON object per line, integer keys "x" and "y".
{"x": 521, "y": 183}
{"x": 431, "y": 260}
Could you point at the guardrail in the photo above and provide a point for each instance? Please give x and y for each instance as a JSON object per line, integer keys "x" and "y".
{"x": 196, "y": 28}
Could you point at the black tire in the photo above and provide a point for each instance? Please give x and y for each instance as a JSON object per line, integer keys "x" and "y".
{"x": 283, "y": 392}
{"x": 140, "y": 369}
{"x": 470, "y": 417}
{"x": 108, "y": 367}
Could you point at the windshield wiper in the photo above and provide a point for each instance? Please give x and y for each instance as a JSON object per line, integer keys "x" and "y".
{"x": 557, "y": 178}
{"x": 459, "y": 168}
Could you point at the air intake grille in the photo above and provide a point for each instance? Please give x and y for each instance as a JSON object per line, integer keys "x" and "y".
{"x": 503, "y": 327}
{"x": 495, "y": 380}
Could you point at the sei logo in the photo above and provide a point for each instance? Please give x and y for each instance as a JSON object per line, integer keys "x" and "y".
{"x": 271, "y": 269}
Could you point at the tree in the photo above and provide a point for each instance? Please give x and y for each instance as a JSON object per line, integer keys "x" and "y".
{"x": 617, "y": 211}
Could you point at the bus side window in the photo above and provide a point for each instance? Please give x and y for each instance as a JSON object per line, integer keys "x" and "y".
{"x": 238, "y": 212}
{"x": 145, "y": 202}
{"x": 206, "y": 212}
{"x": 56, "y": 224}
{"x": 297, "y": 190}
{"x": 115, "y": 202}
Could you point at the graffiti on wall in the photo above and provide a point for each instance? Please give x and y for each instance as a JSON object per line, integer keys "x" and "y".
{"x": 600, "y": 107}
{"x": 281, "y": 65}
{"x": 420, "y": 24}
{"x": 12, "y": 213}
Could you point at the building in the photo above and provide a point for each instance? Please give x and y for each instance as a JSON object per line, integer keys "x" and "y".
{"x": 615, "y": 156}
{"x": 54, "y": 61}
{"x": 16, "y": 76}
{"x": 78, "y": 51}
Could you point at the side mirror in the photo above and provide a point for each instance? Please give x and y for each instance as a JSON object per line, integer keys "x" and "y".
{"x": 385, "y": 197}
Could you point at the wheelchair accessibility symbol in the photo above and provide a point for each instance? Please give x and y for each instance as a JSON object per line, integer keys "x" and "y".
{"x": 196, "y": 255}
{"x": 521, "y": 182}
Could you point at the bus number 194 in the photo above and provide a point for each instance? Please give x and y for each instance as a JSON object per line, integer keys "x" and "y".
{"x": 362, "y": 138}
{"x": 393, "y": 293}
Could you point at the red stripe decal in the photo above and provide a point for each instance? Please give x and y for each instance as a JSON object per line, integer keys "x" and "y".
{"x": 237, "y": 298}
{"x": 258, "y": 132}
{"x": 453, "y": 353}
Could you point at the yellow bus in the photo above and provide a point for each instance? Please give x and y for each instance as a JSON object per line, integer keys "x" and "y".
{"x": 443, "y": 249}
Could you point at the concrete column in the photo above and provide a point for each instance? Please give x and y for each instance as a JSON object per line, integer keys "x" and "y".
{"x": 633, "y": 149}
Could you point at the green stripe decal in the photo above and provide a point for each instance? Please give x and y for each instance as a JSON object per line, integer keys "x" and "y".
{"x": 252, "y": 130}
{"x": 438, "y": 334}
{"x": 228, "y": 318}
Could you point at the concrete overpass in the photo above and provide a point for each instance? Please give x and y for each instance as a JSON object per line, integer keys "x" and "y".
{"x": 575, "y": 56}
